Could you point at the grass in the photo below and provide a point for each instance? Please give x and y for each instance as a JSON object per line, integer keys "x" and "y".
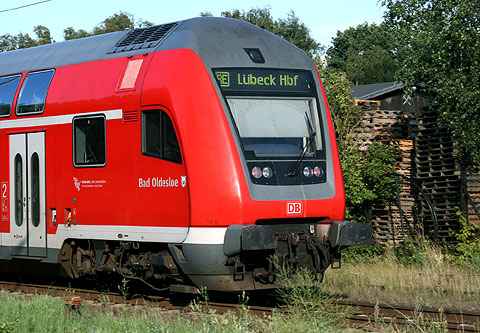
{"x": 417, "y": 276}
{"x": 423, "y": 278}
{"x": 41, "y": 313}
{"x": 307, "y": 309}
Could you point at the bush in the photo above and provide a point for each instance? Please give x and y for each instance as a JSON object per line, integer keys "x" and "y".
{"x": 367, "y": 178}
{"x": 467, "y": 248}
{"x": 365, "y": 173}
{"x": 412, "y": 252}
{"x": 363, "y": 254}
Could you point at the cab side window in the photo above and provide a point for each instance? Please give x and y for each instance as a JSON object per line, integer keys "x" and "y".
{"x": 158, "y": 136}
{"x": 89, "y": 141}
{"x": 34, "y": 92}
{"x": 8, "y": 87}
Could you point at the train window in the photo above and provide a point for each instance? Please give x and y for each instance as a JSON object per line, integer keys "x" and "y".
{"x": 18, "y": 190}
{"x": 34, "y": 92}
{"x": 35, "y": 189}
{"x": 276, "y": 127}
{"x": 158, "y": 136}
{"x": 89, "y": 141}
{"x": 8, "y": 87}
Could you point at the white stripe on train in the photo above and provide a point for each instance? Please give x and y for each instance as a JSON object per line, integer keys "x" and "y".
{"x": 56, "y": 120}
{"x": 207, "y": 236}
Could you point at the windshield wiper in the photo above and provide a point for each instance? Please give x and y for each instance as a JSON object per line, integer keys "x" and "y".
{"x": 292, "y": 170}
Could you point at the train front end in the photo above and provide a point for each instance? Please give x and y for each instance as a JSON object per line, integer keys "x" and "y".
{"x": 269, "y": 194}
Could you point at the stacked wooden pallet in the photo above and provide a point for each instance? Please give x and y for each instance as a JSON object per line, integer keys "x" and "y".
{"x": 428, "y": 157}
{"x": 473, "y": 187}
{"x": 391, "y": 128}
{"x": 437, "y": 173}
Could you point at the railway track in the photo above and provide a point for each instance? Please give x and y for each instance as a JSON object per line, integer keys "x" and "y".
{"x": 361, "y": 315}
{"x": 400, "y": 316}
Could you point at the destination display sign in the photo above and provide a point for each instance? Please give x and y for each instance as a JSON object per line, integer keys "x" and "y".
{"x": 264, "y": 80}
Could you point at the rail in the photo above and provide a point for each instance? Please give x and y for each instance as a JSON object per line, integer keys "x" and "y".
{"x": 359, "y": 314}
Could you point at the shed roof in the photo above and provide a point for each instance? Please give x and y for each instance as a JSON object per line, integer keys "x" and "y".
{"x": 372, "y": 91}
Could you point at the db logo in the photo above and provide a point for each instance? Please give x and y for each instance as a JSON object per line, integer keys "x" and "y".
{"x": 294, "y": 208}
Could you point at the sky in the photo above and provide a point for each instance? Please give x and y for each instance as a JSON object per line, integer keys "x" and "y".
{"x": 323, "y": 17}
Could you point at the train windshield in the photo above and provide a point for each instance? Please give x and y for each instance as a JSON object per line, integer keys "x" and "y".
{"x": 277, "y": 127}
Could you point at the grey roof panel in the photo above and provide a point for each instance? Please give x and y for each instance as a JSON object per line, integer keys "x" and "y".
{"x": 58, "y": 54}
{"x": 371, "y": 91}
{"x": 218, "y": 41}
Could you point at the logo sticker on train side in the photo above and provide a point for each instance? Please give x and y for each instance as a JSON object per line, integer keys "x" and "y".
{"x": 89, "y": 183}
{"x": 294, "y": 208}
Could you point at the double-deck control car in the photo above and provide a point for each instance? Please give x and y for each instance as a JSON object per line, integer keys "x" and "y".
{"x": 197, "y": 152}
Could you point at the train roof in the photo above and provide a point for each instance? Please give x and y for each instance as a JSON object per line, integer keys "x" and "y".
{"x": 220, "y": 42}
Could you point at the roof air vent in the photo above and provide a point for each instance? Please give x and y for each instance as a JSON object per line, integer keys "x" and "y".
{"x": 143, "y": 38}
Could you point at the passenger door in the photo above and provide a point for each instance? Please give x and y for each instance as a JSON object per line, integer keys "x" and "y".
{"x": 162, "y": 192}
{"x": 27, "y": 195}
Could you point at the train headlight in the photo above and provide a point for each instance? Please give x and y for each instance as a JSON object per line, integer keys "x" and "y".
{"x": 267, "y": 172}
{"x": 318, "y": 171}
{"x": 308, "y": 172}
{"x": 256, "y": 172}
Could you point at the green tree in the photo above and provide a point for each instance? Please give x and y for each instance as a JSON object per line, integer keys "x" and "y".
{"x": 364, "y": 52}
{"x": 290, "y": 29}
{"x": 371, "y": 66}
{"x": 366, "y": 173}
{"x": 7, "y": 43}
{"x": 116, "y": 22}
{"x": 345, "y": 114}
{"x": 144, "y": 24}
{"x": 297, "y": 33}
{"x": 438, "y": 47}
{"x": 260, "y": 17}
{"x": 22, "y": 41}
{"x": 43, "y": 35}
{"x": 70, "y": 33}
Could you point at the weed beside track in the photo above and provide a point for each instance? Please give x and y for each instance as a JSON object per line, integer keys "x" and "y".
{"x": 434, "y": 283}
{"x": 301, "y": 307}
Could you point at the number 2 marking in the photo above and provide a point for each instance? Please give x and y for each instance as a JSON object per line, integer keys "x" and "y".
{"x": 4, "y": 190}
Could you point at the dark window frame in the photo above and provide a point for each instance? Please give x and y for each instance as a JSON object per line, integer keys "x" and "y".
{"x": 93, "y": 165}
{"x": 24, "y": 83}
{"x": 14, "y": 94}
{"x": 163, "y": 126}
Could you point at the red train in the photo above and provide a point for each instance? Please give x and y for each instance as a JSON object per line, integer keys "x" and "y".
{"x": 190, "y": 152}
